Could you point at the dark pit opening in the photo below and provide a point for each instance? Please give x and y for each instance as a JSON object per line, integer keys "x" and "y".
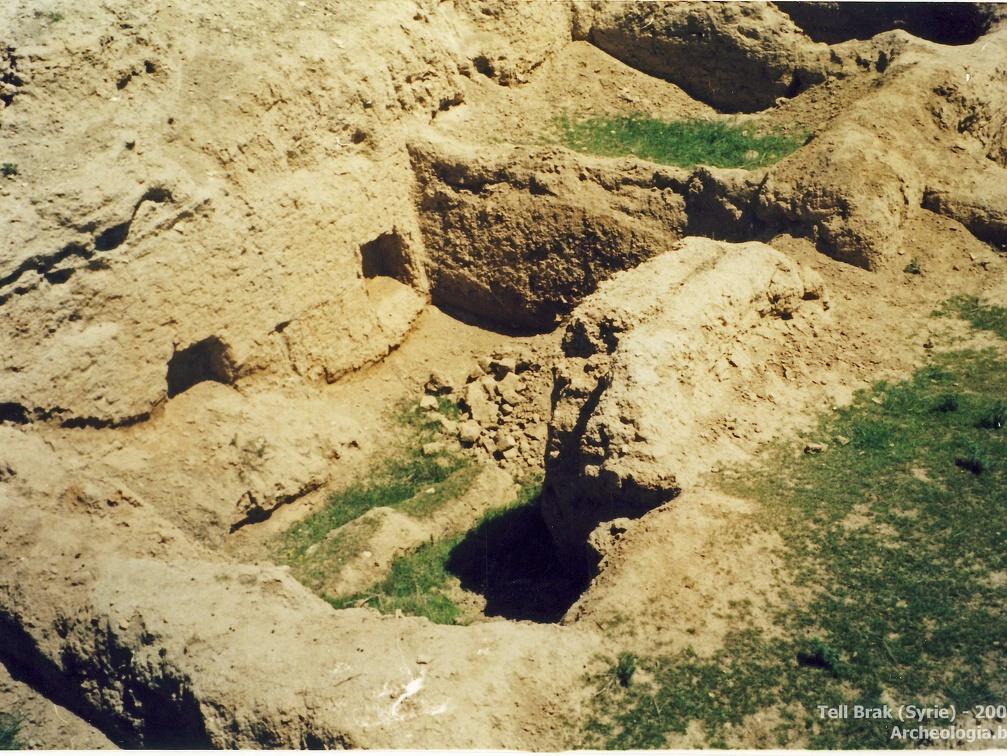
{"x": 386, "y": 256}
{"x": 112, "y": 237}
{"x": 482, "y": 64}
{"x": 944, "y": 23}
{"x": 207, "y": 360}
{"x": 12, "y": 412}
{"x": 512, "y": 562}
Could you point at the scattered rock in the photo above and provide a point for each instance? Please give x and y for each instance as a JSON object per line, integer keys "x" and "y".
{"x": 468, "y": 431}
{"x": 433, "y": 448}
{"x": 438, "y": 384}
{"x": 815, "y": 448}
{"x": 504, "y": 442}
{"x": 503, "y": 366}
{"x": 428, "y": 403}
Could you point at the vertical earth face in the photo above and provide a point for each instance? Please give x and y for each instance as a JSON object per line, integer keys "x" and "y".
{"x": 294, "y": 294}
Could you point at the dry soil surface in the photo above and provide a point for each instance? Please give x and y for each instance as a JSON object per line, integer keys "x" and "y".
{"x": 236, "y": 235}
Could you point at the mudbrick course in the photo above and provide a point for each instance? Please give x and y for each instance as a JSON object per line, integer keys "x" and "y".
{"x": 373, "y": 375}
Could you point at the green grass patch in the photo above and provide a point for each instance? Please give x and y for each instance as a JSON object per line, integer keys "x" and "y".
{"x": 420, "y": 582}
{"x": 984, "y": 317}
{"x": 406, "y": 480}
{"x": 9, "y": 728}
{"x": 898, "y": 537}
{"x": 682, "y": 143}
{"x": 51, "y": 16}
{"x": 9, "y": 169}
{"x": 417, "y": 585}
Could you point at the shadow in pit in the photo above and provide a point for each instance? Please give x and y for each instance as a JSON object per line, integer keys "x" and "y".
{"x": 511, "y": 561}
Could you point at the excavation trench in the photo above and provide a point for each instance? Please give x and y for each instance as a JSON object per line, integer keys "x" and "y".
{"x": 517, "y": 239}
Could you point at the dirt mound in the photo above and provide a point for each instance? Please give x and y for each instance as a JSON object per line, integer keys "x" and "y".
{"x": 714, "y": 568}
{"x": 198, "y": 238}
{"x": 651, "y": 359}
{"x": 737, "y": 58}
{"x": 164, "y": 644}
{"x": 863, "y": 179}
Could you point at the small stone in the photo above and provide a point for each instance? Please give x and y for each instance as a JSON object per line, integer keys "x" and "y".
{"x": 815, "y": 448}
{"x": 438, "y": 384}
{"x": 842, "y": 440}
{"x": 424, "y": 659}
{"x": 468, "y": 431}
{"x": 504, "y": 442}
{"x": 527, "y": 363}
{"x": 484, "y": 364}
{"x": 510, "y": 454}
{"x": 123, "y": 624}
{"x": 478, "y": 402}
{"x": 432, "y": 448}
{"x": 510, "y": 382}
{"x": 503, "y": 366}
{"x": 428, "y": 403}
{"x": 537, "y": 432}
{"x": 506, "y": 409}
{"x": 312, "y": 549}
{"x": 512, "y": 398}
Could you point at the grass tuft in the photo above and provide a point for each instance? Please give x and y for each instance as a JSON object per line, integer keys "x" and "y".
{"x": 947, "y": 403}
{"x": 976, "y": 459}
{"x": 820, "y": 655}
{"x": 681, "y": 143}
{"x": 872, "y": 434}
{"x": 10, "y": 726}
{"x": 995, "y": 417}
{"x": 984, "y": 317}
{"x": 407, "y": 480}
{"x": 51, "y": 16}
{"x": 624, "y": 669}
{"x": 913, "y": 267}
{"x": 416, "y": 585}
{"x": 9, "y": 169}
{"x": 420, "y": 582}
